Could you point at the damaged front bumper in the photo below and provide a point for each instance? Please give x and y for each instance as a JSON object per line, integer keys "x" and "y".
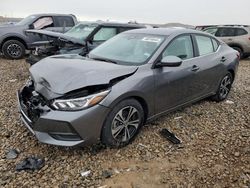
{"x": 60, "y": 127}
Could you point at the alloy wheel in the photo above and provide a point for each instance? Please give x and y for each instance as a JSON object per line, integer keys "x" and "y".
{"x": 225, "y": 86}
{"x": 125, "y": 124}
{"x": 14, "y": 50}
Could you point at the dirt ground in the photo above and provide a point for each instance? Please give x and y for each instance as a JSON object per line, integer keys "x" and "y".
{"x": 215, "y": 149}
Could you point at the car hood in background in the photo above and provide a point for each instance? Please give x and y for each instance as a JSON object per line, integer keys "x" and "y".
{"x": 57, "y": 75}
{"x": 56, "y": 35}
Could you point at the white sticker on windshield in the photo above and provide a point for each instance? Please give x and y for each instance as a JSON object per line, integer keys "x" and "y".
{"x": 151, "y": 39}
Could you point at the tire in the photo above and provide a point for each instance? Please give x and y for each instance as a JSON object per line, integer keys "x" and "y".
{"x": 245, "y": 56}
{"x": 13, "y": 49}
{"x": 224, "y": 88}
{"x": 240, "y": 51}
{"x": 116, "y": 128}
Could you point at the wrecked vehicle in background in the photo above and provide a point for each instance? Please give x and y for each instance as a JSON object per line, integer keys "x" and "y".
{"x": 136, "y": 76}
{"x": 236, "y": 36}
{"x": 81, "y": 39}
{"x": 14, "y": 41}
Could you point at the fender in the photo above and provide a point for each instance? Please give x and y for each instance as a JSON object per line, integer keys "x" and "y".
{"x": 12, "y": 36}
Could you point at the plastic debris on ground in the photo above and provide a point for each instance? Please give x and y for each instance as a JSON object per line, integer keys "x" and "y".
{"x": 142, "y": 145}
{"x": 104, "y": 186}
{"x": 229, "y": 102}
{"x": 13, "y": 80}
{"x": 30, "y": 163}
{"x": 170, "y": 136}
{"x": 85, "y": 173}
{"x": 176, "y": 118}
{"x": 107, "y": 173}
{"x": 12, "y": 154}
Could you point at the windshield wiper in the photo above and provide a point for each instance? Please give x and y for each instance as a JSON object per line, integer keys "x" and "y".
{"x": 106, "y": 60}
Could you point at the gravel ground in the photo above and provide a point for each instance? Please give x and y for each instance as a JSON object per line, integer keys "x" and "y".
{"x": 214, "y": 152}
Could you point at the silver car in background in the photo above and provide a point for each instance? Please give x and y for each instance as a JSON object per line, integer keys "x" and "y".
{"x": 237, "y": 37}
{"x": 132, "y": 78}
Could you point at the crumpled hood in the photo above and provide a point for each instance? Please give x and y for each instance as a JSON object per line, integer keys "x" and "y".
{"x": 57, "y": 75}
{"x": 56, "y": 35}
{"x": 11, "y": 28}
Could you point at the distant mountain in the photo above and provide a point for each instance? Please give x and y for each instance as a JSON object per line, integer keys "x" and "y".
{"x": 177, "y": 25}
{"x": 9, "y": 20}
{"x": 171, "y": 25}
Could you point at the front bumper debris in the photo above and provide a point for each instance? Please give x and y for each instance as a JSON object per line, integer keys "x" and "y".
{"x": 59, "y": 127}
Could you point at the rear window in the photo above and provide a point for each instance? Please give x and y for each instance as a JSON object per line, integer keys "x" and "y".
{"x": 240, "y": 32}
{"x": 64, "y": 21}
{"x": 205, "y": 45}
{"x": 225, "y": 32}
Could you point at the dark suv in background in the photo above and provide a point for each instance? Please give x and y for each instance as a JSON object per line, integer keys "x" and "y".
{"x": 14, "y": 41}
{"x": 237, "y": 37}
{"x": 81, "y": 39}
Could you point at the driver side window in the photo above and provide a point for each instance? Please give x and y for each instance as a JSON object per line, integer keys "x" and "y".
{"x": 43, "y": 23}
{"x": 181, "y": 47}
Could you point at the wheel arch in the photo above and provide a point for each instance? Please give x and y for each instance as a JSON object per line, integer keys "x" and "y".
{"x": 237, "y": 46}
{"x": 232, "y": 72}
{"x": 136, "y": 97}
{"x": 13, "y": 38}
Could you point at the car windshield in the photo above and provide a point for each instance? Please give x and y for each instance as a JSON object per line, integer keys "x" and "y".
{"x": 27, "y": 20}
{"x": 128, "y": 48}
{"x": 80, "y": 31}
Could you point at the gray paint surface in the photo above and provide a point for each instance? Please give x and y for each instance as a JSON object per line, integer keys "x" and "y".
{"x": 163, "y": 89}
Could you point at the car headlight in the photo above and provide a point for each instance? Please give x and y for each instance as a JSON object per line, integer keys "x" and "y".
{"x": 79, "y": 103}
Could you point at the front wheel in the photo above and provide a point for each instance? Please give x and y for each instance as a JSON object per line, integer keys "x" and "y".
{"x": 123, "y": 123}
{"x": 224, "y": 88}
{"x": 13, "y": 49}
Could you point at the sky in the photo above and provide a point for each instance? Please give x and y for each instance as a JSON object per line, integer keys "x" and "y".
{"x": 193, "y": 12}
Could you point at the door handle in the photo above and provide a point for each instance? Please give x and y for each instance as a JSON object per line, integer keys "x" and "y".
{"x": 223, "y": 59}
{"x": 195, "y": 68}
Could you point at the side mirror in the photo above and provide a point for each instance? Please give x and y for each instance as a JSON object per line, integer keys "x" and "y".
{"x": 169, "y": 61}
{"x": 31, "y": 26}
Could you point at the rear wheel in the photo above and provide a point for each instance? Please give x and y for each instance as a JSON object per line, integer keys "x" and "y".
{"x": 123, "y": 123}
{"x": 245, "y": 56}
{"x": 224, "y": 88}
{"x": 13, "y": 49}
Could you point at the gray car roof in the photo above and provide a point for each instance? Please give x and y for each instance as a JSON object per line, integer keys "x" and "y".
{"x": 103, "y": 23}
{"x": 165, "y": 31}
{"x": 52, "y": 14}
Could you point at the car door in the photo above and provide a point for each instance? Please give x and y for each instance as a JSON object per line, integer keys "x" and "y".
{"x": 210, "y": 63}
{"x": 102, "y": 35}
{"x": 43, "y": 22}
{"x": 176, "y": 85}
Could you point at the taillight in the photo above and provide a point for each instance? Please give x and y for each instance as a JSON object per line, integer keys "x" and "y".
{"x": 238, "y": 55}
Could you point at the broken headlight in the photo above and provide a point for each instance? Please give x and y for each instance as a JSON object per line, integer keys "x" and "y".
{"x": 79, "y": 103}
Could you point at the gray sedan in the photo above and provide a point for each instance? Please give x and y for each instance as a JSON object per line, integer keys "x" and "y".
{"x": 132, "y": 78}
